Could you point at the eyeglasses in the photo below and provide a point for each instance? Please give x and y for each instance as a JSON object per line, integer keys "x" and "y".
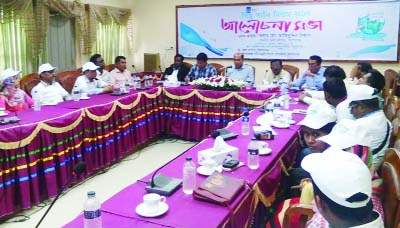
{"x": 49, "y": 72}
{"x": 92, "y": 71}
{"x": 353, "y": 106}
{"x": 312, "y": 64}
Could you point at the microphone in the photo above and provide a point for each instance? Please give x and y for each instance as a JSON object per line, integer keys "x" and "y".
{"x": 134, "y": 68}
{"x": 162, "y": 184}
{"x": 79, "y": 168}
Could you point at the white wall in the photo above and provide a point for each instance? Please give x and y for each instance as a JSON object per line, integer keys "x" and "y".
{"x": 155, "y": 31}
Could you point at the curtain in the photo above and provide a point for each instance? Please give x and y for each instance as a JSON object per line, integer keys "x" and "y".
{"x": 14, "y": 48}
{"x": 111, "y": 41}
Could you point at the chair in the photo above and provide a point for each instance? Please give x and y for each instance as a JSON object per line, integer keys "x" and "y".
{"x": 28, "y": 82}
{"x": 187, "y": 65}
{"x": 390, "y": 172}
{"x": 293, "y": 70}
{"x": 305, "y": 212}
{"x": 390, "y": 82}
{"x": 220, "y": 68}
{"x": 109, "y": 67}
{"x": 390, "y": 107}
{"x": 67, "y": 79}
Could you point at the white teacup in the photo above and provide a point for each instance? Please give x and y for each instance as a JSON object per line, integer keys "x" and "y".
{"x": 84, "y": 95}
{"x": 209, "y": 165}
{"x": 152, "y": 202}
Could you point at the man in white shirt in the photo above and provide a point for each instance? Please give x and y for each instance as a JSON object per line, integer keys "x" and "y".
{"x": 364, "y": 106}
{"x": 335, "y": 95}
{"x": 102, "y": 74}
{"x": 342, "y": 189}
{"x": 240, "y": 71}
{"x": 120, "y": 76}
{"x": 88, "y": 83}
{"x": 50, "y": 91}
{"x": 277, "y": 75}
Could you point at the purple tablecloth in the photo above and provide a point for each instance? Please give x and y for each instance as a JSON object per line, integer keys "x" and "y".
{"x": 184, "y": 211}
{"x": 37, "y": 155}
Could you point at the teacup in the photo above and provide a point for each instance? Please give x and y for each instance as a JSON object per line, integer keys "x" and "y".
{"x": 84, "y": 95}
{"x": 152, "y": 202}
{"x": 209, "y": 165}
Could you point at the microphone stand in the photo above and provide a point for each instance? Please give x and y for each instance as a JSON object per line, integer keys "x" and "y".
{"x": 78, "y": 169}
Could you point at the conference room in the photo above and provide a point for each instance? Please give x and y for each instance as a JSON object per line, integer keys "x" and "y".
{"x": 122, "y": 141}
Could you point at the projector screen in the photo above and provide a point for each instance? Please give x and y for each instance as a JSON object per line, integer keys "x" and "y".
{"x": 355, "y": 30}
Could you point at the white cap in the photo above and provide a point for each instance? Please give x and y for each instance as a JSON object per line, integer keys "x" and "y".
{"x": 347, "y": 133}
{"x": 360, "y": 93}
{"x": 7, "y": 73}
{"x": 339, "y": 175}
{"x": 45, "y": 67}
{"x": 89, "y": 66}
{"x": 318, "y": 115}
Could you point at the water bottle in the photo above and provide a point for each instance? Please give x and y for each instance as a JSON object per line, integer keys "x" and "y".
{"x": 150, "y": 81}
{"x": 249, "y": 84}
{"x": 36, "y": 100}
{"x": 275, "y": 82}
{"x": 127, "y": 86}
{"x": 76, "y": 93}
{"x": 136, "y": 82}
{"x": 187, "y": 79}
{"x": 91, "y": 211}
{"x": 189, "y": 176}
{"x": 286, "y": 99}
{"x": 245, "y": 122}
{"x": 253, "y": 160}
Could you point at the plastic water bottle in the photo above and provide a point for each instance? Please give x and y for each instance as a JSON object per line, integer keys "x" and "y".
{"x": 245, "y": 122}
{"x": 187, "y": 79}
{"x": 76, "y": 93}
{"x": 249, "y": 85}
{"x": 253, "y": 160}
{"x": 36, "y": 100}
{"x": 91, "y": 211}
{"x": 127, "y": 86}
{"x": 136, "y": 82}
{"x": 150, "y": 81}
{"x": 286, "y": 99}
{"x": 189, "y": 176}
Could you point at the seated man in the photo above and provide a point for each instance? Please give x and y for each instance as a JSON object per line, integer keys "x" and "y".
{"x": 88, "y": 83}
{"x": 335, "y": 95}
{"x": 310, "y": 96}
{"x": 120, "y": 76}
{"x": 318, "y": 122}
{"x": 376, "y": 80}
{"x": 102, "y": 74}
{"x": 277, "y": 75}
{"x": 177, "y": 70}
{"x": 312, "y": 78}
{"x": 240, "y": 71}
{"x": 342, "y": 190}
{"x": 50, "y": 91}
{"x": 364, "y": 106}
{"x": 12, "y": 98}
{"x": 202, "y": 69}
{"x": 361, "y": 69}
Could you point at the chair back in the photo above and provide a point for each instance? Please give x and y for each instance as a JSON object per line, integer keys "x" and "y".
{"x": 390, "y": 173}
{"x": 220, "y": 68}
{"x": 293, "y": 70}
{"x": 109, "y": 67}
{"x": 28, "y": 82}
{"x": 390, "y": 82}
{"x": 67, "y": 79}
{"x": 187, "y": 65}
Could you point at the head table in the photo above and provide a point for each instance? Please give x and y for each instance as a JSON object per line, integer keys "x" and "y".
{"x": 38, "y": 153}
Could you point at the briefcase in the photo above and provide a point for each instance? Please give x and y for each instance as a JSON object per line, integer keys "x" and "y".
{"x": 219, "y": 189}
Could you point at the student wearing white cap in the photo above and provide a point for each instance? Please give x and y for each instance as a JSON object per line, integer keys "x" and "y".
{"x": 50, "y": 91}
{"x": 12, "y": 98}
{"x": 342, "y": 190}
{"x": 88, "y": 83}
{"x": 364, "y": 106}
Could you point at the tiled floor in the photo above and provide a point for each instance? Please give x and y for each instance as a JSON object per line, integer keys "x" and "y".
{"x": 132, "y": 168}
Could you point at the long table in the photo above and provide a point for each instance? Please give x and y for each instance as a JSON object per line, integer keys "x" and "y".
{"x": 184, "y": 211}
{"x": 37, "y": 154}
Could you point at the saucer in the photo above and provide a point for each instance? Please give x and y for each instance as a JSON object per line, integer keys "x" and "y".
{"x": 204, "y": 171}
{"x": 280, "y": 125}
{"x": 141, "y": 210}
{"x": 265, "y": 151}
{"x": 84, "y": 98}
{"x": 50, "y": 104}
{"x": 3, "y": 114}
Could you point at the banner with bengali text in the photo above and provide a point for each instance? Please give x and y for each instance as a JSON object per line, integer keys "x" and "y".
{"x": 334, "y": 30}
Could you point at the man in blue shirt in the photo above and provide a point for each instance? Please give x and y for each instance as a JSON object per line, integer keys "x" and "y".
{"x": 313, "y": 77}
{"x": 202, "y": 69}
{"x": 240, "y": 71}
